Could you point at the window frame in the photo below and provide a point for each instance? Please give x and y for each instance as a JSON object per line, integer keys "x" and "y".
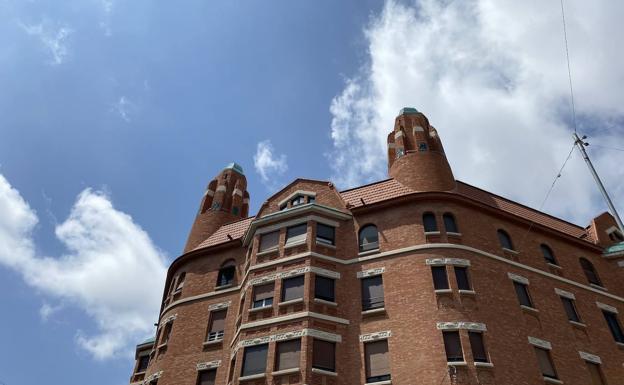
{"x": 298, "y": 237}
{"x": 264, "y": 236}
{"x": 139, "y": 360}
{"x": 283, "y": 293}
{"x": 315, "y": 364}
{"x": 549, "y": 360}
{"x": 426, "y": 217}
{"x": 278, "y": 365}
{"x": 486, "y": 357}
{"x": 439, "y": 272}
{"x": 525, "y": 291}
{"x": 325, "y": 240}
{"x": 247, "y": 349}
{"x": 371, "y": 245}
{"x": 450, "y": 218}
{"x": 266, "y": 302}
{"x": 227, "y": 266}
{"x": 590, "y": 272}
{"x": 372, "y": 305}
{"x": 548, "y": 254}
{"x": 504, "y": 239}
{"x": 466, "y": 273}
{"x": 367, "y": 362}
{"x": 570, "y": 309}
{"x": 218, "y": 335}
{"x": 615, "y": 327}
{"x": 320, "y": 278}
{"x": 447, "y": 347}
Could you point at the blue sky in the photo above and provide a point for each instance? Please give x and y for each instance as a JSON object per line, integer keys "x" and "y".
{"x": 114, "y": 115}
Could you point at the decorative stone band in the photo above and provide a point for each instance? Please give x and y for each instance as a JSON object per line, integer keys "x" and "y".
{"x": 370, "y": 272}
{"x": 292, "y": 273}
{"x": 606, "y": 307}
{"x": 237, "y": 192}
{"x": 208, "y": 365}
{"x": 298, "y": 192}
{"x": 287, "y": 336}
{"x": 384, "y": 335}
{"x": 398, "y": 134}
{"x": 518, "y": 278}
{"x": 540, "y": 343}
{"x": 221, "y": 188}
{"x": 152, "y": 377}
{"x": 419, "y": 129}
{"x": 563, "y": 293}
{"x": 590, "y": 357}
{"x": 209, "y": 193}
{"x": 219, "y": 306}
{"x": 461, "y": 325}
{"x": 296, "y": 221}
{"x": 447, "y": 261}
{"x": 168, "y": 319}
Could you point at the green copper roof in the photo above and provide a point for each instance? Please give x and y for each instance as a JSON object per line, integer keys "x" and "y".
{"x": 236, "y": 167}
{"x": 147, "y": 341}
{"x": 617, "y": 248}
{"x": 408, "y": 111}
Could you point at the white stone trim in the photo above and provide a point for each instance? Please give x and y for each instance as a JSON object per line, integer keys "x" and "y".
{"x": 291, "y": 335}
{"x": 383, "y": 335}
{"x": 447, "y": 261}
{"x": 565, "y": 294}
{"x": 237, "y": 192}
{"x": 152, "y": 377}
{"x": 518, "y": 278}
{"x": 540, "y": 343}
{"x": 292, "y": 273}
{"x": 296, "y": 221}
{"x": 219, "y": 306}
{"x": 371, "y": 272}
{"x": 418, "y": 129}
{"x": 208, "y": 365}
{"x": 398, "y": 134}
{"x": 606, "y": 307}
{"x": 590, "y": 357}
{"x": 209, "y": 193}
{"x": 476, "y": 326}
{"x": 171, "y": 318}
{"x": 221, "y": 188}
{"x": 324, "y": 372}
{"x": 291, "y": 317}
{"x": 296, "y": 193}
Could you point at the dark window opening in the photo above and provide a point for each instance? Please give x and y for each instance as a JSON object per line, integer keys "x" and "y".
{"x": 461, "y": 275}
{"x": 570, "y": 309}
{"x": 478, "y": 347}
{"x": 254, "y": 360}
{"x": 227, "y": 274}
{"x": 440, "y": 279}
{"x": 549, "y": 256}
{"x": 287, "y": 354}
{"x": 452, "y": 346}
{"x": 292, "y": 288}
{"x": 545, "y": 363}
{"x": 377, "y": 361}
{"x": 206, "y": 377}
{"x": 449, "y": 223}
{"x": 324, "y": 288}
{"x": 372, "y": 293}
{"x": 429, "y": 222}
{"x": 143, "y": 363}
{"x": 325, "y": 234}
{"x": 324, "y": 355}
{"x": 369, "y": 238}
{"x": 505, "y": 240}
{"x": 263, "y": 295}
{"x": 296, "y": 233}
{"x": 614, "y": 326}
{"x": 522, "y": 291}
{"x": 590, "y": 272}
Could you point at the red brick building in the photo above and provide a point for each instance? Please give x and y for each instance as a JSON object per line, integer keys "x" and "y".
{"x": 417, "y": 279}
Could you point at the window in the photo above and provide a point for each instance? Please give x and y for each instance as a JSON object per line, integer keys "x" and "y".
{"x": 372, "y": 293}
{"x": 548, "y": 254}
{"x": 254, "y": 360}
{"x": 429, "y": 222}
{"x": 422, "y": 146}
{"x": 522, "y": 291}
{"x": 377, "y": 361}
{"x": 206, "y": 377}
{"x": 570, "y": 309}
{"x": 180, "y": 283}
{"x": 452, "y": 346}
{"x": 616, "y": 236}
{"x": 311, "y": 199}
{"x": 166, "y": 333}
{"x": 296, "y": 201}
{"x": 232, "y": 368}
{"x": 296, "y": 233}
{"x": 227, "y": 273}
{"x": 461, "y": 275}
{"x": 324, "y": 355}
{"x": 143, "y": 363}
{"x": 440, "y": 279}
{"x": 269, "y": 241}
{"x": 292, "y": 288}
{"x": 449, "y": 223}
{"x": 287, "y": 354}
{"x": 217, "y": 325}
{"x": 369, "y": 238}
{"x": 545, "y": 363}
{"x": 263, "y": 295}
{"x": 325, "y": 234}
{"x": 478, "y": 348}
{"x": 595, "y": 373}
{"x": 504, "y": 239}
{"x": 590, "y": 272}
{"x": 324, "y": 288}
{"x": 614, "y": 326}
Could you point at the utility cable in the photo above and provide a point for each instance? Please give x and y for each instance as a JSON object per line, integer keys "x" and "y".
{"x": 565, "y": 38}
{"x": 607, "y": 147}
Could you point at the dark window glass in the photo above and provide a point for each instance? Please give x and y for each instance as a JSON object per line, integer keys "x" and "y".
{"x": 287, "y": 354}
{"x": 297, "y": 201}
{"x": 217, "y": 325}
{"x": 422, "y": 146}
{"x": 324, "y": 288}
{"x": 269, "y": 240}
{"x": 369, "y": 238}
{"x": 452, "y": 346}
{"x": 570, "y": 309}
{"x": 166, "y": 333}
{"x": 590, "y": 272}
{"x": 143, "y": 363}
{"x": 477, "y": 346}
{"x": 440, "y": 279}
{"x": 461, "y": 274}
{"x": 292, "y": 288}
{"x": 206, "y": 377}
{"x": 522, "y": 291}
{"x": 324, "y": 355}
{"x": 429, "y": 222}
{"x": 505, "y": 240}
{"x": 296, "y": 233}
{"x": 548, "y": 254}
{"x": 226, "y": 275}
{"x": 181, "y": 280}
{"x": 614, "y": 326}
{"x": 377, "y": 361}
{"x": 263, "y": 295}
{"x": 232, "y": 368}
{"x": 254, "y": 360}
{"x": 595, "y": 374}
{"x": 372, "y": 293}
{"x": 545, "y": 363}
{"x": 449, "y": 223}
{"x": 311, "y": 199}
{"x": 325, "y": 234}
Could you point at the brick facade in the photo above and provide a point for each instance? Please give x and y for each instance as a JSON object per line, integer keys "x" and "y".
{"x": 413, "y": 315}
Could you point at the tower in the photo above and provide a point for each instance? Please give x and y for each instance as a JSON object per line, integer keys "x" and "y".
{"x": 226, "y": 199}
{"x": 415, "y": 154}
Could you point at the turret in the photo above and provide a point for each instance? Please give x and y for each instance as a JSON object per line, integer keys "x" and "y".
{"x": 415, "y": 154}
{"x": 226, "y": 199}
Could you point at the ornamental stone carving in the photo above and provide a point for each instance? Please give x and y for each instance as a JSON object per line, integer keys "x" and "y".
{"x": 375, "y": 336}
{"x": 606, "y": 307}
{"x": 168, "y": 319}
{"x": 563, "y": 293}
{"x": 518, "y": 278}
{"x": 447, "y": 261}
{"x": 461, "y": 325}
{"x": 288, "y": 336}
{"x": 208, "y": 365}
{"x": 540, "y": 343}
{"x": 371, "y": 272}
{"x": 292, "y": 273}
{"x": 220, "y": 305}
{"x": 590, "y": 357}
{"x": 152, "y": 377}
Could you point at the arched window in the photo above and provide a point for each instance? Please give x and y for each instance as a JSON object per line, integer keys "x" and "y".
{"x": 504, "y": 239}
{"x": 549, "y": 256}
{"x": 449, "y": 223}
{"x": 590, "y": 272}
{"x": 369, "y": 238}
{"x": 429, "y": 222}
{"x": 227, "y": 274}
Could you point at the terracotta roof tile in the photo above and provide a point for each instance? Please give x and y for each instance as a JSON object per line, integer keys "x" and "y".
{"x": 375, "y": 192}
{"x": 235, "y": 229}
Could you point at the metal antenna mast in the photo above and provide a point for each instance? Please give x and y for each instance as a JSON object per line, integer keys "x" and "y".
{"x": 581, "y": 146}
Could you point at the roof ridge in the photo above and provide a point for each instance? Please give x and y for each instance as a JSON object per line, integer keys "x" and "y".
{"x": 366, "y": 185}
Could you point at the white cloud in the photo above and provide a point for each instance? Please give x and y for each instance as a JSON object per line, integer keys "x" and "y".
{"x": 112, "y": 269}
{"x": 124, "y": 108}
{"x": 46, "y": 311}
{"x": 268, "y": 164}
{"x": 53, "y": 39}
{"x": 491, "y": 76}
